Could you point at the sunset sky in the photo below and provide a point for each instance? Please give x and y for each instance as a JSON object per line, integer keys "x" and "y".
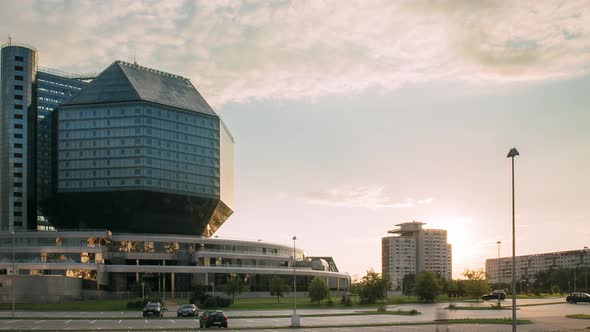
{"x": 352, "y": 117}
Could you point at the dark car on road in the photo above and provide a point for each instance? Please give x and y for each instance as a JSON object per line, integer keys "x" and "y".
{"x": 213, "y": 318}
{"x": 494, "y": 296}
{"x": 187, "y": 310}
{"x": 575, "y": 297}
{"x": 153, "y": 309}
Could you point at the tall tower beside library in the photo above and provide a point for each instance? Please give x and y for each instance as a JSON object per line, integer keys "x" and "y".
{"x": 28, "y": 95}
{"x": 18, "y": 111}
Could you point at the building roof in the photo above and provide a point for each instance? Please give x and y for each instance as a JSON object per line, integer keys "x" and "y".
{"x": 123, "y": 82}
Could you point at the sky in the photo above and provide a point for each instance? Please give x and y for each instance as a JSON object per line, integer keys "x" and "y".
{"x": 352, "y": 117}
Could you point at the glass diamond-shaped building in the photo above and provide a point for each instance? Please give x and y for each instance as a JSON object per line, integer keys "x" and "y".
{"x": 140, "y": 151}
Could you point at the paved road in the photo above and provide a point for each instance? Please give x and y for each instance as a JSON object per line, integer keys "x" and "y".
{"x": 549, "y": 317}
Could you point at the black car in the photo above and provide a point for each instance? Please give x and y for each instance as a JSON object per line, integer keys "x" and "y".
{"x": 187, "y": 310}
{"x": 575, "y": 297}
{"x": 213, "y": 318}
{"x": 494, "y": 296}
{"x": 153, "y": 309}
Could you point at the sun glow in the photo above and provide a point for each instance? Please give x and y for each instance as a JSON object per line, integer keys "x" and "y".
{"x": 461, "y": 233}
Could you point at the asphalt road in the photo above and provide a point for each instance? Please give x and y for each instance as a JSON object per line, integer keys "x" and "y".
{"x": 548, "y": 317}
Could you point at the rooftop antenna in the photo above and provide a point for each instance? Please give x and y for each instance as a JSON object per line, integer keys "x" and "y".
{"x": 9, "y": 40}
{"x": 134, "y": 57}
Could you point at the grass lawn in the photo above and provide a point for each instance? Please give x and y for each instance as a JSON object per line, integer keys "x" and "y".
{"x": 483, "y": 321}
{"x": 579, "y": 316}
{"x": 491, "y": 307}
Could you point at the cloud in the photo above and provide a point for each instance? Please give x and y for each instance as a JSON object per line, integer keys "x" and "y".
{"x": 361, "y": 197}
{"x": 242, "y": 51}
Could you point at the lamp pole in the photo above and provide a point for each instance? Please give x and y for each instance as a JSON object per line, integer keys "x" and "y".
{"x": 295, "y": 317}
{"x": 499, "y": 243}
{"x": 12, "y": 234}
{"x": 586, "y": 269}
{"x": 511, "y": 154}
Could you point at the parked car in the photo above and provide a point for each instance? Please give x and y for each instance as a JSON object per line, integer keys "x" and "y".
{"x": 494, "y": 296}
{"x": 153, "y": 309}
{"x": 187, "y": 310}
{"x": 213, "y": 318}
{"x": 575, "y": 297}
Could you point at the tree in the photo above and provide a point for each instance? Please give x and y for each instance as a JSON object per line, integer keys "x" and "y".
{"x": 476, "y": 285}
{"x": 234, "y": 286}
{"x": 426, "y": 286}
{"x": 278, "y": 287}
{"x": 452, "y": 288}
{"x": 408, "y": 284}
{"x": 373, "y": 287}
{"x": 318, "y": 290}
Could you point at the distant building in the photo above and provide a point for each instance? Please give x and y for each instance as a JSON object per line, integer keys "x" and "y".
{"x": 528, "y": 265}
{"x": 412, "y": 249}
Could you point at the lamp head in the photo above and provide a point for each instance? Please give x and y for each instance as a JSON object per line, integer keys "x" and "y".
{"x": 513, "y": 153}
{"x": 294, "y": 238}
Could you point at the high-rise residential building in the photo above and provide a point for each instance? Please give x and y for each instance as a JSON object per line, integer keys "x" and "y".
{"x": 529, "y": 265}
{"x": 412, "y": 249}
{"x": 18, "y": 114}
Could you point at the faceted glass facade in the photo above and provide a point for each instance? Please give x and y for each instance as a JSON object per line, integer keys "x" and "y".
{"x": 139, "y": 150}
{"x": 137, "y": 146}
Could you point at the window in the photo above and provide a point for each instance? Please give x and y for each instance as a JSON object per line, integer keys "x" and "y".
{"x": 18, "y": 145}
{"x": 18, "y": 155}
{"x": 18, "y": 58}
{"x": 18, "y": 184}
{"x": 18, "y": 135}
{"x": 18, "y": 165}
{"x": 18, "y": 194}
{"x": 18, "y": 87}
{"x": 18, "y": 107}
{"x": 18, "y": 126}
{"x": 18, "y": 214}
{"x": 18, "y": 175}
{"x": 18, "y": 203}
{"x": 18, "y": 78}
{"x": 18, "y": 116}
{"x": 18, "y": 97}
{"x": 18, "y": 68}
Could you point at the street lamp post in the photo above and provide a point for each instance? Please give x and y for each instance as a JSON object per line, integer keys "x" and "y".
{"x": 511, "y": 154}
{"x": 586, "y": 269}
{"x": 499, "y": 243}
{"x": 295, "y": 322}
{"x": 12, "y": 234}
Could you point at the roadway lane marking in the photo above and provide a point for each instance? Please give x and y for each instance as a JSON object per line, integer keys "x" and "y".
{"x": 146, "y": 321}
{"x": 172, "y": 321}
{"x": 93, "y": 321}
{"x": 68, "y": 321}
{"x": 120, "y": 320}
{"x": 14, "y": 321}
{"x": 41, "y": 321}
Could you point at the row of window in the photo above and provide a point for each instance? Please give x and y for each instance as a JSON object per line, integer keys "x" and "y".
{"x": 183, "y": 118}
{"x": 137, "y": 121}
{"x": 139, "y": 131}
{"x": 135, "y": 172}
{"x": 165, "y": 161}
{"x": 208, "y": 158}
{"x": 131, "y": 183}
{"x": 64, "y": 85}
{"x": 156, "y": 154}
{"x": 196, "y": 148}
